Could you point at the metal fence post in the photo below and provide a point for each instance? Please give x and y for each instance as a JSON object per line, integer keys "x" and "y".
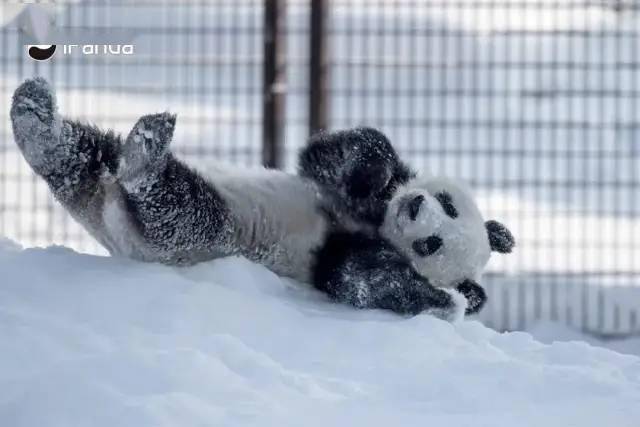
{"x": 273, "y": 110}
{"x": 318, "y": 67}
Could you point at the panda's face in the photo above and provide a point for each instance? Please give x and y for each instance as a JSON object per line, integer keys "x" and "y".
{"x": 436, "y": 223}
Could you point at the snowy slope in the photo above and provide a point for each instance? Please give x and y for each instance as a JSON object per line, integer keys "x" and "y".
{"x": 548, "y": 332}
{"x": 100, "y": 341}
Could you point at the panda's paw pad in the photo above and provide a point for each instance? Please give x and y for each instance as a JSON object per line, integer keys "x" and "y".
{"x": 152, "y": 134}
{"x": 34, "y": 96}
{"x": 36, "y": 124}
{"x": 34, "y": 108}
{"x": 147, "y": 143}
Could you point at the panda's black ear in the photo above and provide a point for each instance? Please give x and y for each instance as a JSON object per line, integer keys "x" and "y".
{"x": 500, "y": 238}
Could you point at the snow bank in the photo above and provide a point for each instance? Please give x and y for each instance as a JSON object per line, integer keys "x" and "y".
{"x": 99, "y": 341}
{"x": 549, "y": 332}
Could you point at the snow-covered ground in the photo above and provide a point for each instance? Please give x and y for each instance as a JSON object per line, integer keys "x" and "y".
{"x": 100, "y": 341}
{"x": 535, "y": 103}
{"x": 549, "y": 332}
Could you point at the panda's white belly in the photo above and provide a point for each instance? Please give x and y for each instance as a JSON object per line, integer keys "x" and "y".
{"x": 276, "y": 217}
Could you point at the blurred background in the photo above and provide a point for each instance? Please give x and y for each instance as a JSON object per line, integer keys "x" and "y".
{"x": 534, "y": 103}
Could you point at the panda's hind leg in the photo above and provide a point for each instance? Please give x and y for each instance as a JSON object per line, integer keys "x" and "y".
{"x": 73, "y": 158}
{"x": 179, "y": 214}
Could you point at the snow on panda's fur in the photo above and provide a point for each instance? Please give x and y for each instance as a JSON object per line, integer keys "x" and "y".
{"x": 139, "y": 201}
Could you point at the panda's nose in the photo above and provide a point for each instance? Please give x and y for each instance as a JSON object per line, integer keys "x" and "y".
{"x": 433, "y": 244}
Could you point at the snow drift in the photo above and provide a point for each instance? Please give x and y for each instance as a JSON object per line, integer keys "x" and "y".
{"x": 100, "y": 341}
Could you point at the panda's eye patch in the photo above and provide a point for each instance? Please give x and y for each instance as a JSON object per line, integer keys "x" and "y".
{"x": 427, "y": 246}
{"x": 414, "y": 207}
{"x": 446, "y": 201}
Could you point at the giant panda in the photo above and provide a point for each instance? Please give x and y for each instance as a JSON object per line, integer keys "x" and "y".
{"x": 355, "y": 221}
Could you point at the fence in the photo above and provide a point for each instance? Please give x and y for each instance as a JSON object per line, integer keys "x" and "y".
{"x": 534, "y": 103}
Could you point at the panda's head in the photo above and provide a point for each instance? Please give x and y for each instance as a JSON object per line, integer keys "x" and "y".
{"x": 436, "y": 223}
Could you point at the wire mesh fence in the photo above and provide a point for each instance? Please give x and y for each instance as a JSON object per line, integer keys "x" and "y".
{"x": 534, "y": 103}
{"x": 202, "y": 60}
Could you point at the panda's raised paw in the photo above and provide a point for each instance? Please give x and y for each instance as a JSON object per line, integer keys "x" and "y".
{"x": 36, "y": 124}
{"x": 34, "y": 96}
{"x": 363, "y": 181}
{"x": 147, "y": 145}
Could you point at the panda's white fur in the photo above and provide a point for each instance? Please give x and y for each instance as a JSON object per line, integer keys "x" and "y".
{"x": 275, "y": 212}
{"x": 465, "y": 250}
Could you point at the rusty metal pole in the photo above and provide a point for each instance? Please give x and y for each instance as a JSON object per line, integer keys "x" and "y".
{"x": 318, "y": 67}
{"x": 273, "y": 111}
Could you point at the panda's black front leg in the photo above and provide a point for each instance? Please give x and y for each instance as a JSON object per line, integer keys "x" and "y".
{"x": 475, "y": 295}
{"x": 368, "y": 272}
{"x": 360, "y": 165}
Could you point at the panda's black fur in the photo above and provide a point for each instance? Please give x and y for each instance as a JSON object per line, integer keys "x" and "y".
{"x": 179, "y": 217}
{"x": 368, "y": 272}
{"x": 360, "y": 165}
